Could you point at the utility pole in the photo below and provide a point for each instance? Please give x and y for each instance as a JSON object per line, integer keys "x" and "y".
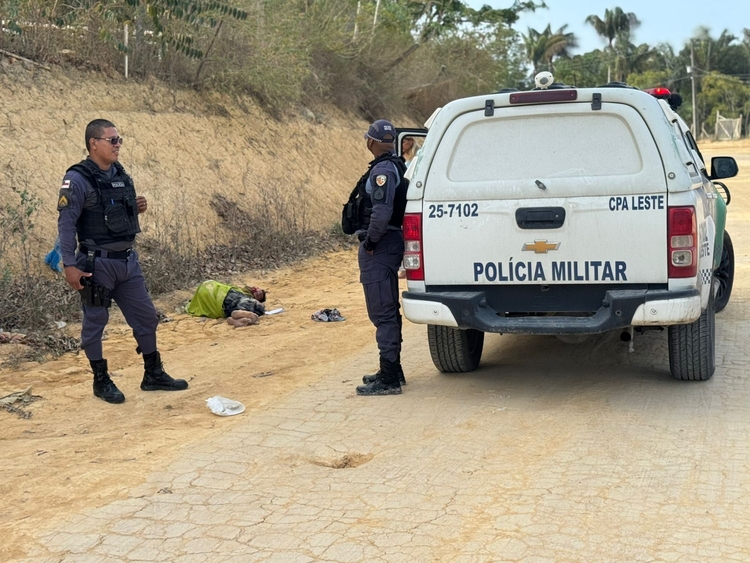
{"x": 691, "y": 70}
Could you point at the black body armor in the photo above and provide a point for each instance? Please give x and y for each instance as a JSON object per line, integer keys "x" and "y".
{"x": 115, "y": 218}
{"x": 356, "y": 213}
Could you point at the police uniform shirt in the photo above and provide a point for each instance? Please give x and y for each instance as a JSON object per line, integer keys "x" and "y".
{"x": 77, "y": 194}
{"x": 381, "y": 187}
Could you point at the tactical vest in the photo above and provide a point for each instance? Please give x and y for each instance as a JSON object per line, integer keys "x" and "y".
{"x": 357, "y": 211}
{"x": 115, "y": 218}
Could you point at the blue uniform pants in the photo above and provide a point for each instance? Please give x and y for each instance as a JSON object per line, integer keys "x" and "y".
{"x": 125, "y": 279}
{"x": 378, "y": 273}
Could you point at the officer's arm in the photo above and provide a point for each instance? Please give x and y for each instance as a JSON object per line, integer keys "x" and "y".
{"x": 382, "y": 206}
{"x": 69, "y": 206}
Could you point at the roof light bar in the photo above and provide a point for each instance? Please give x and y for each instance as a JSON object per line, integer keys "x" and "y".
{"x": 659, "y": 92}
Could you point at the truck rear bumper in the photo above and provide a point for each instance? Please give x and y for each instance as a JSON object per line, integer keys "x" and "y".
{"x": 619, "y": 309}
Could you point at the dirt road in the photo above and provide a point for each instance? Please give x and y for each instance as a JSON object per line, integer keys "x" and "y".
{"x": 549, "y": 452}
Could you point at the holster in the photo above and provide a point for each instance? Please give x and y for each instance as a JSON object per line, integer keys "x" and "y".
{"x": 93, "y": 294}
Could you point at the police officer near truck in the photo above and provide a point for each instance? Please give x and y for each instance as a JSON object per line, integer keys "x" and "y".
{"x": 382, "y": 191}
{"x": 97, "y": 224}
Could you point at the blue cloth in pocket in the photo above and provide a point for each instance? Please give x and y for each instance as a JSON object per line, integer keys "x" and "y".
{"x": 54, "y": 258}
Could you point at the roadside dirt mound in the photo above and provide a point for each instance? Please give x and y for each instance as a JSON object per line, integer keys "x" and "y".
{"x": 181, "y": 148}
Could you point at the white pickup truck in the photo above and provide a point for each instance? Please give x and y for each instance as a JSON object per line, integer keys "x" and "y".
{"x": 566, "y": 211}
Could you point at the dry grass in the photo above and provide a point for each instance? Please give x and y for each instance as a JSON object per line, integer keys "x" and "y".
{"x": 172, "y": 258}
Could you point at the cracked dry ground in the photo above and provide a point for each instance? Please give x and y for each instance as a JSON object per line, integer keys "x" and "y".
{"x": 549, "y": 452}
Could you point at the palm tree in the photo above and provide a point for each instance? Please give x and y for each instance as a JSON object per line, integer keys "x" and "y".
{"x": 543, "y": 47}
{"x": 616, "y": 24}
{"x": 714, "y": 54}
{"x": 635, "y": 58}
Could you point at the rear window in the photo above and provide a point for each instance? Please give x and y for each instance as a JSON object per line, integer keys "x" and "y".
{"x": 544, "y": 146}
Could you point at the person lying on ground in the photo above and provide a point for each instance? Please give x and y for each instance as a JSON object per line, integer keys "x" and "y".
{"x": 241, "y": 307}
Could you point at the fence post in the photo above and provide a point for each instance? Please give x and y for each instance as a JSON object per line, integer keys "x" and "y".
{"x": 716, "y": 126}
{"x": 126, "y": 52}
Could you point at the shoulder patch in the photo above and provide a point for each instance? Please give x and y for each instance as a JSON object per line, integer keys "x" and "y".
{"x": 62, "y": 202}
{"x": 65, "y": 185}
{"x": 381, "y": 179}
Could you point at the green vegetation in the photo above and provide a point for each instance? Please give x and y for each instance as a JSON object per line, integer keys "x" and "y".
{"x": 32, "y": 302}
{"x": 373, "y": 57}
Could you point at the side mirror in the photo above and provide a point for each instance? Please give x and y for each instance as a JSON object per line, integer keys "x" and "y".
{"x": 723, "y": 167}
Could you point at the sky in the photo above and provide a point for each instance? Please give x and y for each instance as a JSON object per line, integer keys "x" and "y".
{"x": 662, "y": 21}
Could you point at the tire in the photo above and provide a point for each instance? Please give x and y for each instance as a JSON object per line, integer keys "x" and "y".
{"x": 454, "y": 350}
{"x": 724, "y": 274}
{"x": 692, "y": 347}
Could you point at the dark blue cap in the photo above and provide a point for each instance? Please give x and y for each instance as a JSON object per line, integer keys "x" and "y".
{"x": 382, "y": 131}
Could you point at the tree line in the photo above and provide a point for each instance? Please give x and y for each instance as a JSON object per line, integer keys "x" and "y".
{"x": 373, "y": 57}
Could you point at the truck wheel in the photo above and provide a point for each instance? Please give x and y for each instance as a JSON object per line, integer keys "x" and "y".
{"x": 724, "y": 274}
{"x": 454, "y": 350}
{"x": 691, "y": 347}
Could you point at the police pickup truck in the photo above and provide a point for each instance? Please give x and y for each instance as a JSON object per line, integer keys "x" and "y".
{"x": 566, "y": 211}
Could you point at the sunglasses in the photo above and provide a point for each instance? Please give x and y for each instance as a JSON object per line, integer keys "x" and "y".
{"x": 112, "y": 140}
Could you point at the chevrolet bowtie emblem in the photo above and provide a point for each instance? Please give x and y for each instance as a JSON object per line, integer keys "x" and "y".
{"x": 541, "y": 246}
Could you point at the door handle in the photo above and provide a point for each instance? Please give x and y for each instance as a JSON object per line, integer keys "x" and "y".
{"x": 540, "y": 217}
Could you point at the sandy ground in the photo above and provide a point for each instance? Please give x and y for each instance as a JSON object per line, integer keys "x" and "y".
{"x": 77, "y": 451}
{"x": 548, "y": 452}
{"x": 180, "y": 148}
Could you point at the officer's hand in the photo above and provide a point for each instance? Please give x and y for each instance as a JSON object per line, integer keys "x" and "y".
{"x": 73, "y": 276}
{"x": 142, "y": 204}
{"x": 370, "y": 252}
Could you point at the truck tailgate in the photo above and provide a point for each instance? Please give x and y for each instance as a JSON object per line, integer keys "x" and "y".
{"x": 616, "y": 239}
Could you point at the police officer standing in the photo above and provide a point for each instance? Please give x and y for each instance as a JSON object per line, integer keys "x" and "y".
{"x": 381, "y": 251}
{"x": 98, "y": 205}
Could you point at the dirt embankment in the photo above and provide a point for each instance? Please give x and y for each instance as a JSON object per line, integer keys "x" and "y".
{"x": 181, "y": 148}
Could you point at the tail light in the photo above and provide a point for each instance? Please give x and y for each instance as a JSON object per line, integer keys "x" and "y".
{"x": 413, "y": 257}
{"x": 683, "y": 242}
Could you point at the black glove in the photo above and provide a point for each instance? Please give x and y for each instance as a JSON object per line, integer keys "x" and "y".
{"x": 368, "y": 245}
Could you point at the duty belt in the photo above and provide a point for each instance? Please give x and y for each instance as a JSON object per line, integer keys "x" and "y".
{"x": 115, "y": 255}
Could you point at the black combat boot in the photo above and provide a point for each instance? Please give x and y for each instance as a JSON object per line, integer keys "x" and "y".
{"x": 104, "y": 387}
{"x": 385, "y": 383}
{"x": 156, "y": 379}
{"x": 371, "y": 378}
